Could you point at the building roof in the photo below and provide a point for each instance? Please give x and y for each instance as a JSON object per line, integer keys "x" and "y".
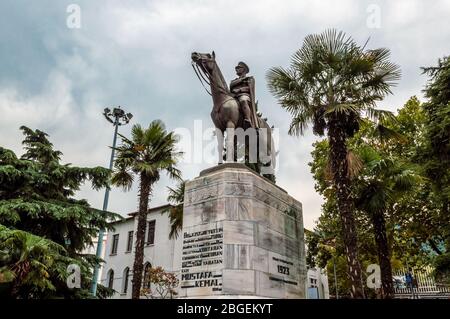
{"x": 150, "y": 210}
{"x": 121, "y": 220}
{"x": 133, "y": 214}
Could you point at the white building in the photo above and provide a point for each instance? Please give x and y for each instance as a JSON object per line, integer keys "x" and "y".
{"x": 317, "y": 284}
{"x": 160, "y": 251}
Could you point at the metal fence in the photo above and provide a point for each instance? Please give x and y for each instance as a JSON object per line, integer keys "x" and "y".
{"x": 423, "y": 284}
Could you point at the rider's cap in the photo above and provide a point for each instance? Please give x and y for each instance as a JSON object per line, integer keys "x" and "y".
{"x": 245, "y": 66}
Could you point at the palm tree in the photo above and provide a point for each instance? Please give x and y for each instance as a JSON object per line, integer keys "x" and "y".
{"x": 382, "y": 182}
{"x": 28, "y": 262}
{"x": 176, "y": 197}
{"x": 146, "y": 155}
{"x": 332, "y": 83}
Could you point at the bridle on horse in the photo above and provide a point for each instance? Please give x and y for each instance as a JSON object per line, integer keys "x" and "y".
{"x": 208, "y": 80}
{"x": 198, "y": 72}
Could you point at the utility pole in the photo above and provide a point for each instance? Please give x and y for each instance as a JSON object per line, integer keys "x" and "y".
{"x": 117, "y": 117}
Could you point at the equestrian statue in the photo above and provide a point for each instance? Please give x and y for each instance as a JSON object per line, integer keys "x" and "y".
{"x": 234, "y": 107}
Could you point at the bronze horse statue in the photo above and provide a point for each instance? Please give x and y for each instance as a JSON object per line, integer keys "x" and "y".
{"x": 225, "y": 113}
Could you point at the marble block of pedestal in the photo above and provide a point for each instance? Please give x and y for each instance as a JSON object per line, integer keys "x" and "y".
{"x": 242, "y": 237}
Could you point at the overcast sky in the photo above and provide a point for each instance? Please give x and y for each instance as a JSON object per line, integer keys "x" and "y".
{"x": 137, "y": 54}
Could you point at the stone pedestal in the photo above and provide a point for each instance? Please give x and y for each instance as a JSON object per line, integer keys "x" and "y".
{"x": 242, "y": 237}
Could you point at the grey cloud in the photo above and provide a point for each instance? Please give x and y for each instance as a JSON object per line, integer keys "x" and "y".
{"x": 136, "y": 54}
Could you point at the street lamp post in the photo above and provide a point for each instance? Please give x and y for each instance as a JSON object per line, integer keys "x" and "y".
{"x": 117, "y": 117}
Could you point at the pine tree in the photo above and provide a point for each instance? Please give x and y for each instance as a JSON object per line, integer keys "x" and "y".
{"x": 43, "y": 228}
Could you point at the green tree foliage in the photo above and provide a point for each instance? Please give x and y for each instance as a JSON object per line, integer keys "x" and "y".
{"x": 147, "y": 154}
{"x": 418, "y": 215}
{"x": 435, "y": 154}
{"x": 175, "y": 211}
{"x": 328, "y": 236}
{"x": 28, "y": 262}
{"x": 390, "y": 187}
{"x": 332, "y": 84}
{"x": 381, "y": 183}
{"x": 43, "y": 227}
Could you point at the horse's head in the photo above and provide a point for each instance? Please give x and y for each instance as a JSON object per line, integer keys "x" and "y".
{"x": 205, "y": 61}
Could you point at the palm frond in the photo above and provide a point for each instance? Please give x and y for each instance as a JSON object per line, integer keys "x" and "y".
{"x": 354, "y": 164}
{"x": 174, "y": 173}
{"x": 299, "y": 124}
{"x": 176, "y": 195}
{"x": 122, "y": 178}
{"x": 330, "y": 73}
{"x": 137, "y": 134}
{"x": 384, "y": 133}
{"x": 346, "y": 108}
{"x": 382, "y": 116}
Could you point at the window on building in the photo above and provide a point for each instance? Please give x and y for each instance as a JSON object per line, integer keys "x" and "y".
{"x": 130, "y": 241}
{"x": 125, "y": 279}
{"x": 151, "y": 232}
{"x": 115, "y": 244}
{"x": 111, "y": 279}
{"x": 146, "y": 280}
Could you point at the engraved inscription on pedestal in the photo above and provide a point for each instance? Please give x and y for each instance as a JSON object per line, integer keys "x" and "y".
{"x": 202, "y": 259}
{"x": 283, "y": 269}
{"x": 242, "y": 236}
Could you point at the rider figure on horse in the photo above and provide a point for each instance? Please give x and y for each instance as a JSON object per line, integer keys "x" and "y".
{"x": 243, "y": 89}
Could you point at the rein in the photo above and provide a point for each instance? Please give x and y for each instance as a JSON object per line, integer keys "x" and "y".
{"x": 197, "y": 70}
{"x": 198, "y": 73}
